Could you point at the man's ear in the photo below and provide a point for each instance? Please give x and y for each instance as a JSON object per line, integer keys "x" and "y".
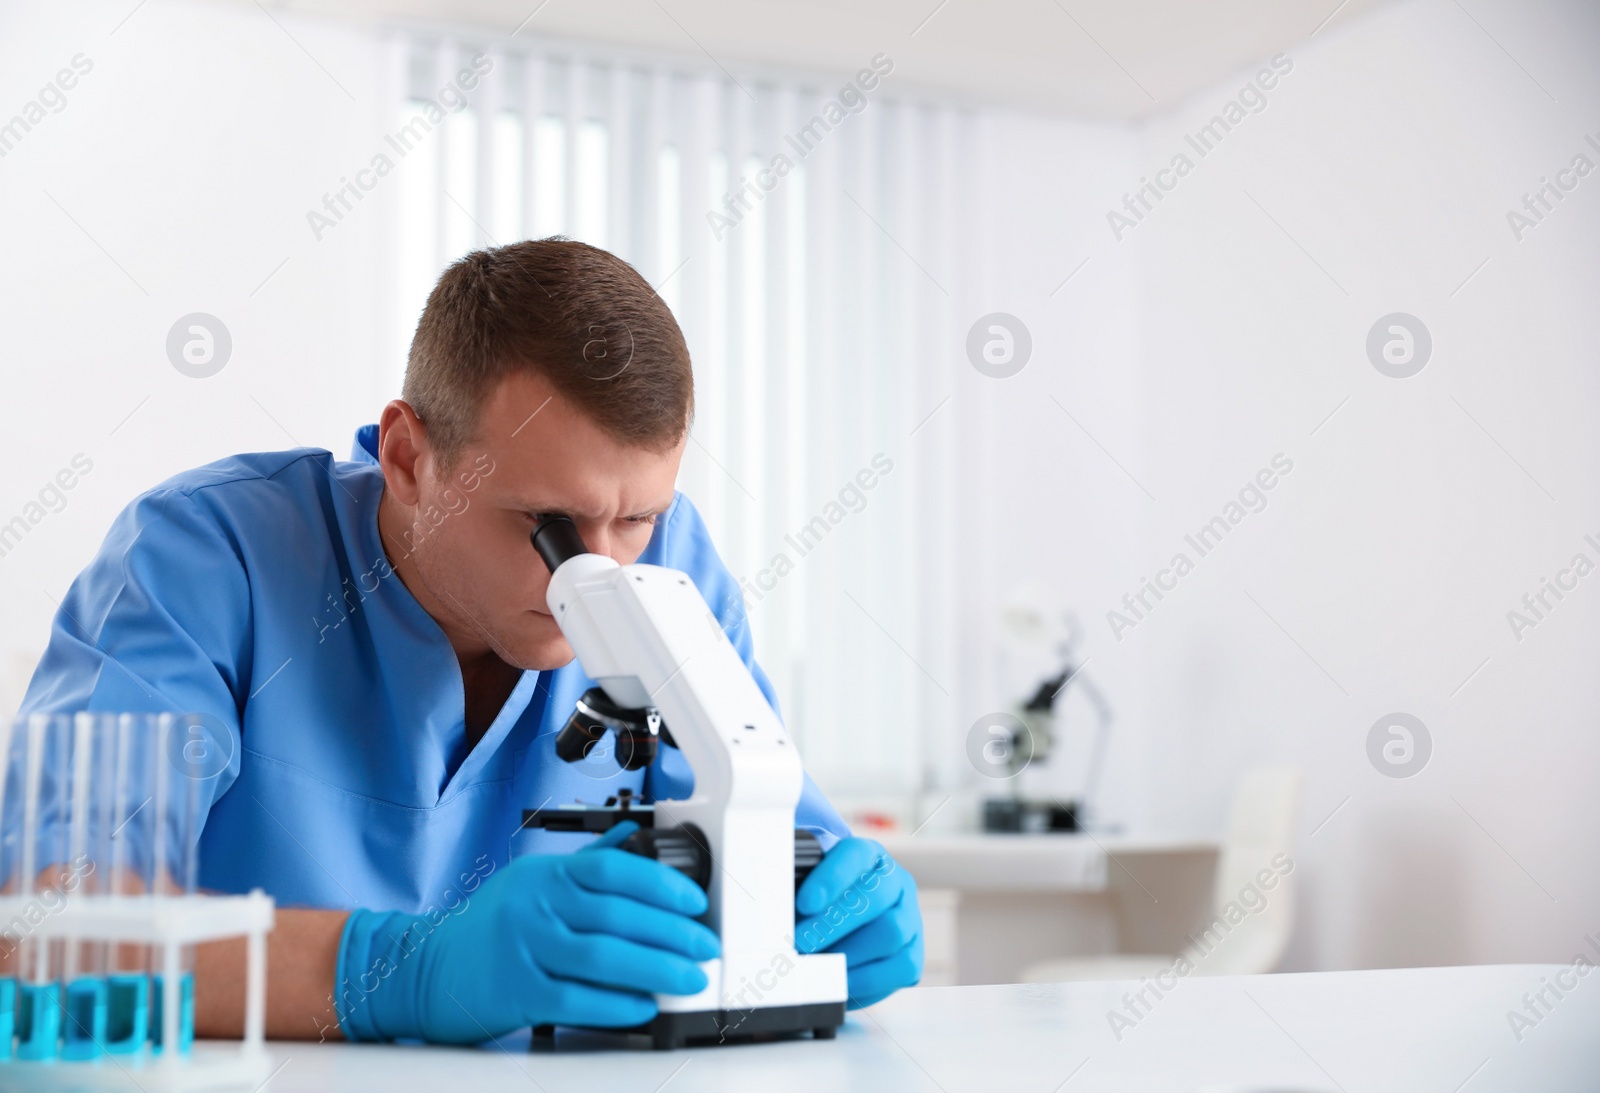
{"x": 403, "y": 451}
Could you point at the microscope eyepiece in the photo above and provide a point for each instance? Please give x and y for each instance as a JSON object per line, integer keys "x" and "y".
{"x": 556, "y": 539}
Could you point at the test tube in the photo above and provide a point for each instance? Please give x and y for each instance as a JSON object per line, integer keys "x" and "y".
{"x": 174, "y": 874}
{"x": 13, "y": 737}
{"x": 84, "y": 984}
{"x": 97, "y": 878}
{"x": 44, "y": 831}
{"x": 128, "y": 979}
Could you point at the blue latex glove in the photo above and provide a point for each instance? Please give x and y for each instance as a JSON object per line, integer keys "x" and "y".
{"x": 562, "y": 939}
{"x": 857, "y": 901}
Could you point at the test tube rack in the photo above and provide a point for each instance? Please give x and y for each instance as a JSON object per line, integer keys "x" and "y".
{"x": 166, "y": 923}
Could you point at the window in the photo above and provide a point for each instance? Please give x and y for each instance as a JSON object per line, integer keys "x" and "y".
{"x": 819, "y": 333}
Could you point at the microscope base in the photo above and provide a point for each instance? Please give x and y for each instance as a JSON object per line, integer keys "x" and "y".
{"x": 673, "y": 1030}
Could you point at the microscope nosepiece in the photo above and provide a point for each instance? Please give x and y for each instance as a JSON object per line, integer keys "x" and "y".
{"x": 637, "y": 731}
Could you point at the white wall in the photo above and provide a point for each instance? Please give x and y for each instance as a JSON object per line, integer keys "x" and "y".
{"x": 1393, "y": 551}
{"x": 188, "y": 156}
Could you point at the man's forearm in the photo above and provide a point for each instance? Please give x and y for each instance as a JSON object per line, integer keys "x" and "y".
{"x": 302, "y": 955}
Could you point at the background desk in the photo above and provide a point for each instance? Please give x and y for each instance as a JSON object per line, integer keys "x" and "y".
{"x": 1414, "y": 1031}
{"x": 994, "y": 903}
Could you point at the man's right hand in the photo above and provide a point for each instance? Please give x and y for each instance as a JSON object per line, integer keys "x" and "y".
{"x": 563, "y": 939}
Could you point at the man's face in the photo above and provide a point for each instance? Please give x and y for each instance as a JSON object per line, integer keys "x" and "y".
{"x": 533, "y": 452}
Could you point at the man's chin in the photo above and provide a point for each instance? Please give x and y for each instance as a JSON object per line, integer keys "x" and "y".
{"x": 545, "y": 655}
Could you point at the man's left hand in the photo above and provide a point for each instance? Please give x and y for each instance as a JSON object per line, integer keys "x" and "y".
{"x": 857, "y": 901}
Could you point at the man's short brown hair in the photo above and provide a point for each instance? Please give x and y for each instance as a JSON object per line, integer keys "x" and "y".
{"x": 581, "y": 317}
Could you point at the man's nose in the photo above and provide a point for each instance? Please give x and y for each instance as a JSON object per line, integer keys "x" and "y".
{"x": 596, "y": 536}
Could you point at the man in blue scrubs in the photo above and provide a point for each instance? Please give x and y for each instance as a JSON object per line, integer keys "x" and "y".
{"x": 380, "y": 682}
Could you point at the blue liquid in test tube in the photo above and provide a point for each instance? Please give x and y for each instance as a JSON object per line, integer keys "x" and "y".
{"x": 185, "y": 1012}
{"x": 127, "y": 1012}
{"x": 39, "y": 1021}
{"x": 83, "y": 1029}
{"x": 8, "y": 1015}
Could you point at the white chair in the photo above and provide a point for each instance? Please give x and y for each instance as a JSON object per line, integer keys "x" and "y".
{"x": 1252, "y": 900}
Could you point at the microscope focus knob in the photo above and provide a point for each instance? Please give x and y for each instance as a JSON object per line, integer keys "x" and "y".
{"x": 683, "y": 848}
{"x": 807, "y": 853}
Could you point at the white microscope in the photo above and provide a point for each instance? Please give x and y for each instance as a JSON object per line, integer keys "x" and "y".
{"x": 666, "y": 670}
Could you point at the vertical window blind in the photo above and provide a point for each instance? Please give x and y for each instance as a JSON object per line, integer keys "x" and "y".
{"x": 798, "y": 227}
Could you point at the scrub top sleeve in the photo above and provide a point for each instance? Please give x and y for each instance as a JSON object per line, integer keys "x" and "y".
{"x": 159, "y": 622}
{"x": 816, "y": 814}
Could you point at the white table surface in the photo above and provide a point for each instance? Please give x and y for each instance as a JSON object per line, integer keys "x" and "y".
{"x": 1411, "y": 1031}
{"x": 1074, "y": 862}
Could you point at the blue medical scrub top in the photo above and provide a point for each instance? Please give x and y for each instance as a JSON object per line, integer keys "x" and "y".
{"x": 255, "y": 590}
